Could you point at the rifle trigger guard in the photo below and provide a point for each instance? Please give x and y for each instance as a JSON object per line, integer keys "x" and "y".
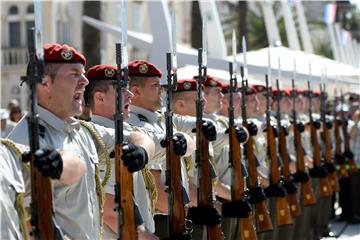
{"x": 188, "y": 226}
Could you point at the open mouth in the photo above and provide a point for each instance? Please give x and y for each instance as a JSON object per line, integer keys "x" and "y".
{"x": 78, "y": 97}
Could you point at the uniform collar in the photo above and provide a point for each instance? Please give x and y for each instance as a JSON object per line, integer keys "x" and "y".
{"x": 144, "y": 114}
{"x": 49, "y": 118}
{"x": 212, "y": 116}
{"x": 106, "y": 122}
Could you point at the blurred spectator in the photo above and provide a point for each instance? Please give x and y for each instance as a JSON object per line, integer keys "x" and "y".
{"x": 5, "y": 125}
{"x": 15, "y": 111}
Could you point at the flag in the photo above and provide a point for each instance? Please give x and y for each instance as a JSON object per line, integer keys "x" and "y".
{"x": 329, "y": 13}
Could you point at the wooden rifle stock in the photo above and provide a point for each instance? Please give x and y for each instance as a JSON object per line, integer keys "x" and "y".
{"x": 291, "y": 197}
{"x": 124, "y": 186}
{"x": 343, "y": 171}
{"x": 238, "y": 186}
{"x": 331, "y": 176}
{"x": 325, "y": 187}
{"x": 176, "y": 202}
{"x": 262, "y": 215}
{"x": 173, "y": 163}
{"x": 283, "y": 214}
{"x": 43, "y": 222}
{"x": 125, "y": 180}
{"x": 308, "y": 196}
{"x": 324, "y": 184}
{"x": 205, "y": 190}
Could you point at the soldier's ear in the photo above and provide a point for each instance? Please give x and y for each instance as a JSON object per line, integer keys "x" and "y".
{"x": 98, "y": 97}
{"x": 135, "y": 90}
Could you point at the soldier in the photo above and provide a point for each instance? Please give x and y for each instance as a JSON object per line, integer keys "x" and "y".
{"x": 100, "y": 98}
{"x": 63, "y": 167}
{"x": 147, "y": 101}
{"x": 184, "y": 104}
{"x": 229, "y": 225}
{"x": 77, "y": 207}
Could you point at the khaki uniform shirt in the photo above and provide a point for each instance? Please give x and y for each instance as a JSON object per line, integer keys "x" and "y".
{"x": 140, "y": 192}
{"x": 153, "y": 124}
{"x": 76, "y": 206}
{"x": 12, "y": 182}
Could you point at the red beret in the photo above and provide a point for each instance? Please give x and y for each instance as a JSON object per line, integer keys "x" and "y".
{"x": 249, "y": 90}
{"x": 185, "y": 85}
{"x": 101, "y": 72}
{"x": 285, "y": 92}
{"x": 316, "y": 93}
{"x": 259, "y": 88}
{"x": 142, "y": 68}
{"x": 57, "y": 53}
{"x": 225, "y": 88}
{"x": 211, "y": 82}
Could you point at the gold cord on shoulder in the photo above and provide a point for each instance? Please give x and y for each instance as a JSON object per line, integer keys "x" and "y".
{"x": 103, "y": 153}
{"x": 100, "y": 185}
{"x": 19, "y": 197}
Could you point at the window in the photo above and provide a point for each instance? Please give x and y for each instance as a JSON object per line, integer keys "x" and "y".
{"x": 30, "y": 9}
{"x": 13, "y": 10}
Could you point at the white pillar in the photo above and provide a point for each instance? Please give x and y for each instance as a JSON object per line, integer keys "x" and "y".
{"x": 334, "y": 44}
{"x": 272, "y": 30}
{"x": 290, "y": 26}
{"x": 215, "y": 34}
{"x": 159, "y": 17}
{"x": 304, "y": 30}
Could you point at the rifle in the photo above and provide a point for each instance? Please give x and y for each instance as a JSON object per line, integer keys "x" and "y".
{"x": 43, "y": 221}
{"x": 295, "y": 209}
{"x": 205, "y": 190}
{"x": 338, "y": 154}
{"x": 124, "y": 190}
{"x": 173, "y": 162}
{"x": 325, "y": 188}
{"x": 282, "y": 214}
{"x": 347, "y": 153}
{"x": 327, "y": 142}
{"x": 262, "y": 220}
{"x": 307, "y": 193}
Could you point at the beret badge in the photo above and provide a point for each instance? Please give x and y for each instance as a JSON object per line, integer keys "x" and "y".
{"x": 213, "y": 83}
{"x": 66, "y": 54}
{"x": 143, "y": 68}
{"x": 109, "y": 72}
{"x": 187, "y": 85}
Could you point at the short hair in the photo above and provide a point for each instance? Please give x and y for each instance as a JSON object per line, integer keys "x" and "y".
{"x": 52, "y": 69}
{"x": 92, "y": 88}
{"x": 137, "y": 81}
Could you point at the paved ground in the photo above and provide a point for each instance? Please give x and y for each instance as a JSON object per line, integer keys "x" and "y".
{"x": 346, "y": 231}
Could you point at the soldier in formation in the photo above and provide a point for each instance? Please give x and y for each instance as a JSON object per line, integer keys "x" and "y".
{"x": 78, "y": 156}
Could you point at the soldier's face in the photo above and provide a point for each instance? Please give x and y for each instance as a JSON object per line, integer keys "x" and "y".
{"x": 299, "y": 104}
{"x": 316, "y": 104}
{"x": 63, "y": 95}
{"x": 150, "y": 93}
{"x": 285, "y": 104}
{"x": 213, "y": 97}
{"x": 189, "y": 106}
{"x": 109, "y": 104}
{"x": 261, "y": 103}
{"x": 252, "y": 104}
